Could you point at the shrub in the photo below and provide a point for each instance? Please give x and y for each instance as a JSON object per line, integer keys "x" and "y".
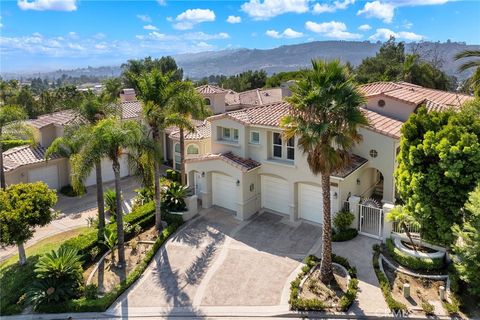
{"x": 173, "y": 175}
{"x": 347, "y": 299}
{"x": 70, "y": 192}
{"x": 49, "y": 290}
{"x": 428, "y": 308}
{"x": 343, "y": 220}
{"x": 451, "y": 307}
{"x": 144, "y": 195}
{"x": 344, "y": 235}
{"x": 110, "y": 197}
{"x": 173, "y": 198}
{"x": 9, "y": 144}
{"x": 85, "y": 244}
{"x": 63, "y": 265}
{"x": 413, "y": 262}
{"x": 91, "y": 292}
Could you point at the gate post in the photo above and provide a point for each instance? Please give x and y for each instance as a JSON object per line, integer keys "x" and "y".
{"x": 353, "y": 203}
{"x": 387, "y": 225}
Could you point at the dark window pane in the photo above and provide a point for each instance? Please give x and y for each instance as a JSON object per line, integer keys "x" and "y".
{"x": 290, "y": 153}
{"x": 277, "y": 151}
{"x": 291, "y": 142}
{"x": 277, "y": 139}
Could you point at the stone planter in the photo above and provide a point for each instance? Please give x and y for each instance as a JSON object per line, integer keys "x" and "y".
{"x": 422, "y": 255}
{"x": 192, "y": 208}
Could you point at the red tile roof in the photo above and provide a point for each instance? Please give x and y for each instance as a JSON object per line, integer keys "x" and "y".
{"x": 355, "y": 163}
{"x": 383, "y": 124}
{"x": 23, "y": 155}
{"x": 208, "y": 89}
{"x": 203, "y": 130}
{"x": 230, "y": 158}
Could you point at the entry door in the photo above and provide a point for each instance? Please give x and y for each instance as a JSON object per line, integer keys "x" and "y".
{"x": 224, "y": 191}
{"x": 275, "y": 194}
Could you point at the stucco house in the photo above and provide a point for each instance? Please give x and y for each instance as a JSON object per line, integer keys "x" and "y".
{"x": 28, "y": 164}
{"x": 250, "y": 167}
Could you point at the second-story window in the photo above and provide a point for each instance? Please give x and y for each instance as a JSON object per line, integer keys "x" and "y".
{"x": 230, "y": 134}
{"x": 291, "y": 149}
{"x": 277, "y": 145}
{"x": 255, "y": 137}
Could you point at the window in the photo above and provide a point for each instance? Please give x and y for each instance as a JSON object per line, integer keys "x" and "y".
{"x": 255, "y": 137}
{"x": 226, "y": 134}
{"x": 291, "y": 149}
{"x": 381, "y": 103}
{"x": 176, "y": 157}
{"x": 235, "y": 134}
{"x": 277, "y": 145}
{"x": 373, "y": 153}
{"x": 192, "y": 149}
{"x": 207, "y": 102}
{"x": 230, "y": 134}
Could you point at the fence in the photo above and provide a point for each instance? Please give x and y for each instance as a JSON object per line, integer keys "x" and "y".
{"x": 414, "y": 230}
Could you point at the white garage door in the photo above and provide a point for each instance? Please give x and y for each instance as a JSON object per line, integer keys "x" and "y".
{"x": 107, "y": 171}
{"x": 275, "y": 195}
{"x": 224, "y": 191}
{"x": 310, "y": 202}
{"x": 49, "y": 175}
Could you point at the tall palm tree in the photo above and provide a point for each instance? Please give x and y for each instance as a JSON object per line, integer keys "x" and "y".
{"x": 474, "y": 81}
{"x": 108, "y": 138}
{"x": 155, "y": 90}
{"x": 188, "y": 104}
{"x": 11, "y": 126}
{"x": 325, "y": 116}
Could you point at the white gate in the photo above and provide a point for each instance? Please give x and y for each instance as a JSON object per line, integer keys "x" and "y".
{"x": 371, "y": 221}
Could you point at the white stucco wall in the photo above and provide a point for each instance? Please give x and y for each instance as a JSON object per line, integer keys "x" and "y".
{"x": 393, "y": 108}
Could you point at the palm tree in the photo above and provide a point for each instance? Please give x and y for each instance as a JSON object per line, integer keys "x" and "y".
{"x": 155, "y": 90}
{"x": 11, "y": 126}
{"x": 325, "y": 116}
{"x": 186, "y": 105}
{"x": 108, "y": 138}
{"x": 474, "y": 81}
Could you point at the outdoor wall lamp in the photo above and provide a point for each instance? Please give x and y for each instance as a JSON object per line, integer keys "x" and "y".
{"x": 358, "y": 181}
{"x": 238, "y": 183}
{"x": 203, "y": 174}
{"x": 335, "y": 195}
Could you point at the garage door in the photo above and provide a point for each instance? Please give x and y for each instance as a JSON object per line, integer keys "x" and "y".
{"x": 49, "y": 175}
{"x": 275, "y": 194}
{"x": 310, "y": 202}
{"x": 107, "y": 171}
{"x": 224, "y": 191}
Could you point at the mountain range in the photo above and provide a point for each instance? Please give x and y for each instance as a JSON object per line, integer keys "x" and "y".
{"x": 283, "y": 58}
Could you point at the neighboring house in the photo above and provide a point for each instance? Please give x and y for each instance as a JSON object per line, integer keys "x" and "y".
{"x": 252, "y": 168}
{"x": 28, "y": 164}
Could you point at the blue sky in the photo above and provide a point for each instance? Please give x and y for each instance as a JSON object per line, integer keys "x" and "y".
{"x": 40, "y": 35}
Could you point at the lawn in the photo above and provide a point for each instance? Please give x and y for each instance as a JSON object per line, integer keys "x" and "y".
{"x": 14, "y": 278}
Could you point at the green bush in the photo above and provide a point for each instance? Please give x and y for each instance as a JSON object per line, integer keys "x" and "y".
{"x": 47, "y": 291}
{"x": 452, "y": 307}
{"x": 310, "y": 305}
{"x": 70, "y": 192}
{"x": 344, "y": 235}
{"x": 343, "y": 220}
{"x": 411, "y": 262}
{"x": 174, "y": 197}
{"x": 84, "y": 244}
{"x": 91, "y": 292}
{"x": 428, "y": 308}
{"x": 392, "y": 304}
{"x": 9, "y": 144}
{"x": 14, "y": 282}
{"x": 173, "y": 175}
{"x": 349, "y": 297}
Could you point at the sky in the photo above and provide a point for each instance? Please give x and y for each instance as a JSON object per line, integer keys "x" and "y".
{"x": 43, "y": 35}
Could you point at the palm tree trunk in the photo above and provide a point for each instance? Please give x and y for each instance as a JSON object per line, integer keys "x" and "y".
{"x": 2, "y": 173}
{"x": 182, "y": 157}
{"x": 156, "y": 184}
{"x": 22, "y": 257}
{"x": 120, "y": 235}
{"x": 100, "y": 200}
{"x": 326, "y": 270}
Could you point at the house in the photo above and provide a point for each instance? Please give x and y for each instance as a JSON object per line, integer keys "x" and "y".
{"x": 251, "y": 167}
{"x": 28, "y": 164}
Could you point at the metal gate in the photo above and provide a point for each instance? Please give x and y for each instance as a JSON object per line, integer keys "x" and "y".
{"x": 371, "y": 221}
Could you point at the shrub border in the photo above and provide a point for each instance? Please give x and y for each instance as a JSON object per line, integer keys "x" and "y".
{"x": 345, "y": 235}
{"x": 315, "y": 304}
{"x": 414, "y": 263}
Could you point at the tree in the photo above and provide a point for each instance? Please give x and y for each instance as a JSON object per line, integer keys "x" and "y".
{"x": 185, "y": 106}
{"x": 134, "y": 68}
{"x": 277, "y": 78}
{"x": 26, "y": 99}
{"x": 11, "y": 126}
{"x": 474, "y": 81}
{"x": 405, "y": 220}
{"x": 113, "y": 87}
{"x": 108, "y": 138}
{"x": 325, "y": 117}
{"x": 467, "y": 248}
{"x": 155, "y": 90}
{"x": 23, "y": 207}
{"x": 438, "y": 165}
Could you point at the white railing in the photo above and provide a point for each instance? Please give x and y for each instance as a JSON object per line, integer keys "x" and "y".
{"x": 414, "y": 230}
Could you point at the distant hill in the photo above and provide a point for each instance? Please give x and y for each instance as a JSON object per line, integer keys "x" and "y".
{"x": 284, "y": 58}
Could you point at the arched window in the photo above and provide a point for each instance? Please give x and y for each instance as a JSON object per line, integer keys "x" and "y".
{"x": 192, "y": 149}
{"x": 208, "y": 102}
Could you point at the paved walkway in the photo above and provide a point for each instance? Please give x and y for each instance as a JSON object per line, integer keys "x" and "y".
{"x": 75, "y": 212}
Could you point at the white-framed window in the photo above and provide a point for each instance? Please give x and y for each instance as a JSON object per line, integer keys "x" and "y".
{"x": 230, "y": 134}
{"x": 291, "y": 148}
{"x": 176, "y": 157}
{"x": 254, "y": 137}
{"x": 277, "y": 145}
{"x": 192, "y": 149}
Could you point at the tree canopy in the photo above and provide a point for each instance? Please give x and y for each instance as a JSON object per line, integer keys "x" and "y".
{"x": 132, "y": 69}
{"x": 244, "y": 81}
{"x": 438, "y": 165}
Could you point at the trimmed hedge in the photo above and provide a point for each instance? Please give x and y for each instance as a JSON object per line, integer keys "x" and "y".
{"x": 392, "y": 304}
{"x": 315, "y": 304}
{"x": 413, "y": 263}
{"x": 345, "y": 235}
{"x": 9, "y": 144}
{"x": 101, "y": 304}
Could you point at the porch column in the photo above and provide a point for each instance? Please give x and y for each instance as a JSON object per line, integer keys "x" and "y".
{"x": 207, "y": 191}
{"x": 353, "y": 203}
{"x": 293, "y": 210}
{"x": 387, "y": 225}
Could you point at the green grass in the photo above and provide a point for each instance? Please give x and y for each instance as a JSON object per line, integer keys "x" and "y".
{"x": 15, "y": 279}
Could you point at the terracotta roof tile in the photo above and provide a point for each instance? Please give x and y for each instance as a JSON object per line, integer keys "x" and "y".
{"x": 355, "y": 163}
{"x": 23, "y": 155}
{"x": 203, "y": 130}
{"x": 230, "y": 158}
{"x": 208, "y": 89}
{"x": 57, "y": 118}
{"x": 383, "y": 124}
{"x": 131, "y": 109}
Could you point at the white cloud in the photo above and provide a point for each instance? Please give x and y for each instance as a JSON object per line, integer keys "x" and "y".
{"x": 187, "y": 19}
{"x": 205, "y": 36}
{"x": 150, "y": 27}
{"x": 162, "y": 2}
{"x": 407, "y": 24}
{"x": 73, "y": 35}
{"x": 332, "y": 29}
{"x": 144, "y": 17}
{"x": 234, "y": 19}
{"x": 364, "y": 27}
{"x": 266, "y": 9}
{"x": 385, "y": 34}
{"x": 288, "y": 33}
{"x": 42, "y": 5}
{"x": 99, "y": 36}
{"x": 377, "y": 9}
{"x": 336, "y": 5}
{"x": 385, "y": 10}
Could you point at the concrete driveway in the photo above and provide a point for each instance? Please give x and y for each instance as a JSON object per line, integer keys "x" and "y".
{"x": 216, "y": 263}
